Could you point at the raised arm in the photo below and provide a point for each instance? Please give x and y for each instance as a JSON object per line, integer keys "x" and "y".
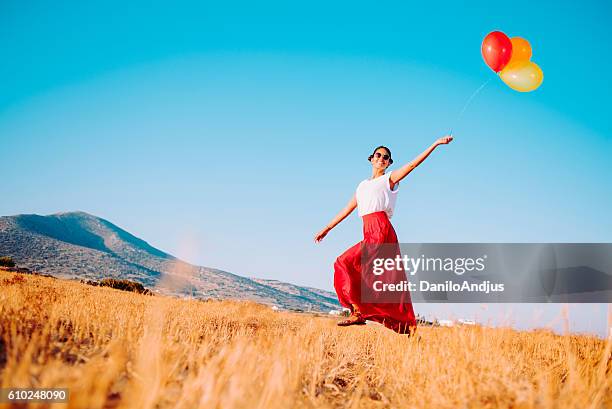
{"x": 350, "y": 206}
{"x": 401, "y": 173}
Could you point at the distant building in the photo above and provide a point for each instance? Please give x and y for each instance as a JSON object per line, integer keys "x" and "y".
{"x": 446, "y": 323}
{"x": 451, "y": 323}
{"x": 463, "y": 321}
{"x": 344, "y": 312}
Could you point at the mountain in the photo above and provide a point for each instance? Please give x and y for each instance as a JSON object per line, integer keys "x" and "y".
{"x": 78, "y": 245}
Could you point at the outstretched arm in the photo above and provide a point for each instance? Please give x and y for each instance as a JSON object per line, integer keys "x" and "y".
{"x": 402, "y": 172}
{"x": 351, "y": 205}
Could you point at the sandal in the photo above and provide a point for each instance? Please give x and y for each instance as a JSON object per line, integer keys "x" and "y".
{"x": 354, "y": 319}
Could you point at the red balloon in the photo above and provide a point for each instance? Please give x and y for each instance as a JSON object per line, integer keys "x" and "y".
{"x": 496, "y": 50}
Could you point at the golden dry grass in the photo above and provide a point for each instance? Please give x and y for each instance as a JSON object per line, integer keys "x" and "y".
{"x": 125, "y": 350}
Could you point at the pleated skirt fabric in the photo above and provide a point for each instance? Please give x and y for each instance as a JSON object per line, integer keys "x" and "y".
{"x": 379, "y": 240}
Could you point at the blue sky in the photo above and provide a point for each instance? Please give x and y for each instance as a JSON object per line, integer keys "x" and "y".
{"x": 228, "y": 135}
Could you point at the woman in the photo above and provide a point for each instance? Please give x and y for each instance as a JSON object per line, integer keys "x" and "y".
{"x": 375, "y": 200}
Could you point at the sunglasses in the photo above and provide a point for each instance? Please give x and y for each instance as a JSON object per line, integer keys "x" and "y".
{"x": 385, "y": 157}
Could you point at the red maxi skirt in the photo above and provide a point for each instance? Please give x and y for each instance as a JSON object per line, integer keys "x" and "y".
{"x": 349, "y": 278}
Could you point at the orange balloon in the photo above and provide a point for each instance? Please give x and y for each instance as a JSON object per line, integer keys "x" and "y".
{"x": 521, "y": 50}
{"x": 522, "y": 76}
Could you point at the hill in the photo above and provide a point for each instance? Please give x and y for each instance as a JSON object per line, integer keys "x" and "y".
{"x": 78, "y": 245}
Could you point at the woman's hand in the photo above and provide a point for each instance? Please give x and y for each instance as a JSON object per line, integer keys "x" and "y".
{"x": 350, "y": 206}
{"x": 444, "y": 140}
{"x": 319, "y": 236}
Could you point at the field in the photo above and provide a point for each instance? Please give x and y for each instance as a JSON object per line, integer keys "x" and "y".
{"x": 116, "y": 349}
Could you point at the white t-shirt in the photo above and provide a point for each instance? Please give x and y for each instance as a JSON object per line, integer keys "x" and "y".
{"x": 375, "y": 195}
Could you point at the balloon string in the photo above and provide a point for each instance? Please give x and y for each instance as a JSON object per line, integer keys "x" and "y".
{"x": 467, "y": 103}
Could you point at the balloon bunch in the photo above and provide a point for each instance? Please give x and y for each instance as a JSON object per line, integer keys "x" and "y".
{"x": 511, "y": 59}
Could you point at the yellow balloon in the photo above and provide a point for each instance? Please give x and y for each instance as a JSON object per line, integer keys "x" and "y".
{"x": 521, "y": 50}
{"x": 522, "y": 76}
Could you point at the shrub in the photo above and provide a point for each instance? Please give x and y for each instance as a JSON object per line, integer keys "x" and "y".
{"x": 125, "y": 285}
{"x": 6, "y": 262}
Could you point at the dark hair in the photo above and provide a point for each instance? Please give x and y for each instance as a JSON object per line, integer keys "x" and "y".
{"x": 385, "y": 148}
